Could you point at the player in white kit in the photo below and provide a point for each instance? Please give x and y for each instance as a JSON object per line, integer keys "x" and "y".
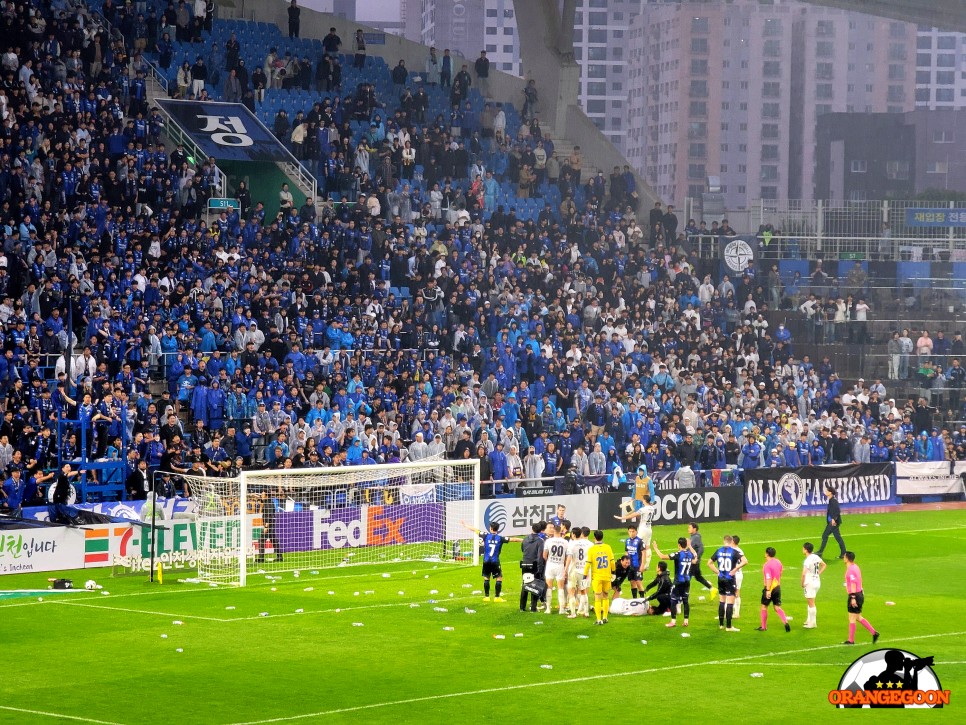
{"x": 739, "y": 577}
{"x": 555, "y": 556}
{"x": 576, "y": 583}
{"x": 647, "y": 511}
{"x": 811, "y": 582}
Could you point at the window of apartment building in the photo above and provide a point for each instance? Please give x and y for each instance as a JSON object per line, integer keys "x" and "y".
{"x": 596, "y": 88}
{"x": 697, "y": 150}
{"x": 725, "y": 106}
{"x": 617, "y": 86}
{"x": 617, "y": 34}
{"x": 868, "y": 88}
{"x": 937, "y": 167}
{"x": 769, "y": 130}
{"x": 491, "y": 12}
{"x": 742, "y": 148}
{"x": 726, "y": 85}
{"x": 769, "y": 173}
{"x": 946, "y": 42}
{"x": 897, "y": 51}
{"x": 698, "y": 89}
{"x": 618, "y": 53}
{"x": 597, "y": 19}
{"x": 824, "y": 71}
{"x": 923, "y": 60}
{"x": 943, "y": 137}
{"x": 492, "y": 31}
{"x": 508, "y": 31}
{"x": 699, "y": 67}
{"x": 597, "y": 53}
{"x": 724, "y": 168}
{"x": 769, "y": 152}
{"x": 771, "y": 69}
{"x": 824, "y": 49}
{"x": 699, "y": 45}
{"x": 724, "y": 148}
{"x": 773, "y": 26}
{"x": 850, "y": 88}
{"x": 743, "y": 106}
{"x": 696, "y": 171}
{"x": 724, "y": 126}
{"x": 742, "y": 169}
{"x": 897, "y": 30}
{"x": 823, "y": 90}
{"x": 508, "y": 13}
{"x": 695, "y": 190}
{"x": 596, "y": 71}
{"x": 857, "y": 195}
{"x": 897, "y": 94}
{"x": 697, "y": 109}
{"x": 741, "y": 189}
{"x": 822, "y": 108}
{"x": 769, "y": 192}
{"x": 897, "y": 72}
{"x": 945, "y": 95}
{"x": 596, "y": 106}
{"x": 923, "y": 76}
{"x": 697, "y": 129}
{"x": 615, "y": 123}
{"x": 825, "y": 29}
{"x": 507, "y": 48}
{"x": 922, "y": 95}
{"x": 772, "y": 49}
{"x": 897, "y": 170}
{"x": 946, "y": 60}
{"x": 490, "y": 48}
{"x": 859, "y": 166}
{"x": 700, "y": 25}
{"x": 595, "y": 35}
{"x": 945, "y": 77}
{"x": 924, "y": 42}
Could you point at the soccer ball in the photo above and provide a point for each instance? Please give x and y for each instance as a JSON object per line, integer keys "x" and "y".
{"x": 90, "y": 585}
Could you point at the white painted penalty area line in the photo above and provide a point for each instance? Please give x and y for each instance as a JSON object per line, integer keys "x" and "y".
{"x": 570, "y": 681}
{"x": 139, "y": 611}
{"x": 57, "y": 715}
{"x": 879, "y": 531}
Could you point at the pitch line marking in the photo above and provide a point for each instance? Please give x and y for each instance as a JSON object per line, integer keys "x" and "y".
{"x": 570, "y": 681}
{"x": 140, "y": 611}
{"x": 60, "y": 716}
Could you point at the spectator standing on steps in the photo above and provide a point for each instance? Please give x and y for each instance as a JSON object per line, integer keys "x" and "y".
{"x": 294, "y": 13}
{"x": 482, "y": 68}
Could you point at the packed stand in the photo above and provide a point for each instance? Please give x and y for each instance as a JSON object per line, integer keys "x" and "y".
{"x": 369, "y": 332}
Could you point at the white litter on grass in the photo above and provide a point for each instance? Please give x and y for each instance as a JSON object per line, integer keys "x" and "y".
{"x": 440, "y": 609}
{"x": 449, "y": 629}
{"x": 863, "y": 526}
{"x": 358, "y": 624}
{"x": 299, "y": 611}
{"x": 273, "y": 589}
{"x": 467, "y": 586}
{"x": 229, "y": 609}
{"x": 685, "y": 634}
{"x": 369, "y": 591}
{"x": 337, "y": 611}
{"x": 211, "y": 584}
{"x": 309, "y": 589}
{"x": 546, "y": 667}
{"x": 179, "y": 650}
{"x": 331, "y": 593}
{"x": 701, "y": 599}
{"x": 451, "y": 595}
{"x": 413, "y": 605}
{"x": 164, "y": 636}
{"x": 499, "y": 636}
{"x": 518, "y": 634}
{"x": 425, "y": 577}
{"x": 40, "y": 599}
{"x": 434, "y": 591}
{"x": 355, "y": 594}
{"x": 469, "y": 611}
{"x": 757, "y": 674}
{"x": 890, "y": 604}
{"x": 643, "y": 641}
{"x": 476, "y": 592}
{"x": 314, "y": 572}
{"x": 538, "y": 623}
{"x": 432, "y": 601}
{"x": 263, "y": 614}
{"x": 878, "y": 524}
{"x": 260, "y": 571}
{"x": 414, "y": 573}
{"x": 386, "y": 575}
{"x": 402, "y": 594}
{"x": 296, "y": 574}
{"x": 177, "y": 621}
{"x": 582, "y": 636}
{"x": 106, "y": 594}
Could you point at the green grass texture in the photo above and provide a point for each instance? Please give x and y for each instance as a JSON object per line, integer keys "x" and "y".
{"x": 291, "y": 649}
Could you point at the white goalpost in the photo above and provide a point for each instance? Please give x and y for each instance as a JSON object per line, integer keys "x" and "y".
{"x": 307, "y": 519}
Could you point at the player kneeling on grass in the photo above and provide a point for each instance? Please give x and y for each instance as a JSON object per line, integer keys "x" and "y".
{"x": 600, "y": 568}
{"x": 727, "y": 561}
{"x": 772, "y": 591}
{"x": 662, "y": 595}
{"x": 683, "y": 559}
{"x": 555, "y": 556}
{"x": 492, "y": 544}
{"x": 576, "y": 562}
{"x": 812, "y": 570}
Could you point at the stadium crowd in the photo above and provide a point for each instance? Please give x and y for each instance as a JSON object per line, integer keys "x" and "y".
{"x": 273, "y": 337}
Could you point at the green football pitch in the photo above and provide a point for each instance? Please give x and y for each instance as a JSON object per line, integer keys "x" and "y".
{"x": 352, "y": 645}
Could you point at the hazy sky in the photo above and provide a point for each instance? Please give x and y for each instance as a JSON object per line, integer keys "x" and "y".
{"x": 377, "y": 10}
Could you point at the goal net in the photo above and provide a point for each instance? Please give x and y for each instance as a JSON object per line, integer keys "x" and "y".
{"x": 274, "y": 521}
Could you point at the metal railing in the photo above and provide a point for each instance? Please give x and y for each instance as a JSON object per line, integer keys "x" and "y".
{"x": 907, "y": 249}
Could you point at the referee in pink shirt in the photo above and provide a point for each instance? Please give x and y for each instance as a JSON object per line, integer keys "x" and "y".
{"x": 853, "y": 585}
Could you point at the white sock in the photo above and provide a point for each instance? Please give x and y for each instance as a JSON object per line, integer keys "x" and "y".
{"x": 561, "y": 598}
{"x": 812, "y": 615}
{"x": 737, "y": 606}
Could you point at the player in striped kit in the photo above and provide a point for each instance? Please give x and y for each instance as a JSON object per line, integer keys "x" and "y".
{"x": 811, "y": 582}
{"x": 555, "y": 558}
{"x": 576, "y": 583}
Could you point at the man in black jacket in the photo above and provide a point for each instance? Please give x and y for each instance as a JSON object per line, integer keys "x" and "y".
{"x": 833, "y": 522}
{"x": 532, "y": 564}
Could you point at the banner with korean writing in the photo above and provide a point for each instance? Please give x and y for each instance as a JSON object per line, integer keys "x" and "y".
{"x": 932, "y": 217}
{"x": 36, "y": 550}
{"x": 515, "y": 516}
{"x": 226, "y": 131}
{"x": 777, "y": 490}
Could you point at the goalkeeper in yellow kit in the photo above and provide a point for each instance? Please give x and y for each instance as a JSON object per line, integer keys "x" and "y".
{"x": 600, "y": 569}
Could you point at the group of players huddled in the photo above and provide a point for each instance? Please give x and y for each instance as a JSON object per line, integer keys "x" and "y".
{"x": 574, "y": 562}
